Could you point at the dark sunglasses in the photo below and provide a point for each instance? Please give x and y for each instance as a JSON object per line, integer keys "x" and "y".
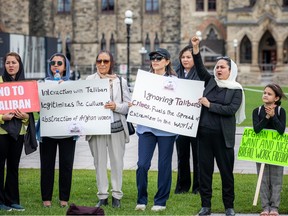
{"x": 157, "y": 58}
{"x": 59, "y": 63}
{"x": 223, "y": 57}
{"x": 105, "y": 61}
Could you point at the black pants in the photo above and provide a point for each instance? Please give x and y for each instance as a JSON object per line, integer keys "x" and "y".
{"x": 183, "y": 144}
{"x": 48, "y": 150}
{"x": 10, "y": 152}
{"x": 212, "y": 145}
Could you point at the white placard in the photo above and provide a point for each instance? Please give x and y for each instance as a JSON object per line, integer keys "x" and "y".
{"x": 166, "y": 103}
{"x": 74, "y": 107}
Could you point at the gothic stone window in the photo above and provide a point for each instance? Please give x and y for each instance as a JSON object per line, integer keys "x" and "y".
{"x": 152, "y": 6}
{"x": 245, "y": 50}
{"x": 107, "y": 6}
{"x": 64, "y": 6}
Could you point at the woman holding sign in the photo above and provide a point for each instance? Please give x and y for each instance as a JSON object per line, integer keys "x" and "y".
{"x": 186, "y": 70}
{"x": 270, "y": 116}
{"x": 113, "y": 143}
{"x": 148, "y": 138}
{"x": 12, "y": 130}
{"x": 58, "y": 64}
{"x": 222, "y": 107}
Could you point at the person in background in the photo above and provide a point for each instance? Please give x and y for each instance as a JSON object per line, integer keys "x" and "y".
{"x": 148, "y": 138}
{"x": 49, "y": 145}
{"x": 186, "y": 70}
{"x": 270, "y": 116}
{"x": 222, "y": 107}
{"x": 12, "y": 131}
{"x": 114, "y": 142}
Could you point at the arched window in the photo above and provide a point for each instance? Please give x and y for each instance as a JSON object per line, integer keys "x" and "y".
{"x": 59, "y": 43}
{"x": 245, "y": 50}
{"x": 112, "y": 46}
{"x": 156, "y": 41}
{"x": 103, "y": 42}
{"x": 285, "y": 51}
{"x": 212, "y": 35}
{"x": 147, "y": 47}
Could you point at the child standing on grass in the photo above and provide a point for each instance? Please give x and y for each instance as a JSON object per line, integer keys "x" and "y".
{"x": 270, "y": 116}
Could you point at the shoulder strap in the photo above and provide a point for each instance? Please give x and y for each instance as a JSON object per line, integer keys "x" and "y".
{"x": 259, "y": 108}
{"x": 120, "y": 78}
{"x": 279, "y": 108}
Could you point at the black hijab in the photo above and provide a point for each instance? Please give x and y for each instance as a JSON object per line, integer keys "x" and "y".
{"x": 13, "y": 126}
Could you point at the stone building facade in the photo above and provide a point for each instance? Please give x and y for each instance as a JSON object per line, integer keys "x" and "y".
{"x": 252, "y": 32}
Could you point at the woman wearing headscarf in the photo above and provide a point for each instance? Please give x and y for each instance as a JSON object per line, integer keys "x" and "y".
{"x": 12, "y": 132}
{"x": 222, "y": 107}
{"x": 58, "y": 63}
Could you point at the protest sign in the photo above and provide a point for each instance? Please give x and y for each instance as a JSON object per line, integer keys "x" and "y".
{"x": 166, "y": 103}
{"x": 267, "y": 146}
{"x": 74, "y": 108}
{"x": 21, "y": 95}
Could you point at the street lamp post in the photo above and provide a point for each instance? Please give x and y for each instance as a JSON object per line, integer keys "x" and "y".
{"x": 128, "y": 21}
{"x": 235, "y": 44}
{"x": 142, "y": 51}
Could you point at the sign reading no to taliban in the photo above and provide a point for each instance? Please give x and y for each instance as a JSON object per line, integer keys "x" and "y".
{"x": 268, "y": 147}
{"x": 19, "y": 95}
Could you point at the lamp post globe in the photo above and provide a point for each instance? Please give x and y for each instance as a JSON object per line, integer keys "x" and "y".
{"x": 128, "y": 21}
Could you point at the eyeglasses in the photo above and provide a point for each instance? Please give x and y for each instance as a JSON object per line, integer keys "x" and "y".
{"x": 157, "y": 58}
{"x": 53, "y": 63}
{"x": 223, "y": 57}
{"x": 105, "y": 61}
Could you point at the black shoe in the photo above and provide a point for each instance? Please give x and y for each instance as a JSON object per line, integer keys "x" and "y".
{"x": 229, "y": 212}
{"x": 116, "y": 202}
{"x": 205, "y": 211}
{"x": 102, "y": 202}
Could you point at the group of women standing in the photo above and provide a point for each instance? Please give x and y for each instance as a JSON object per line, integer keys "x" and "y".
{"x": 223, "y": 105}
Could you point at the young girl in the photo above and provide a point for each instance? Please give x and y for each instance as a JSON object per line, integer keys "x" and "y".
{"x": 270, "y": 116}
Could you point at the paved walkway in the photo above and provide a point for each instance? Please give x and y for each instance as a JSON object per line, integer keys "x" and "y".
{"x": 84, "y": 160}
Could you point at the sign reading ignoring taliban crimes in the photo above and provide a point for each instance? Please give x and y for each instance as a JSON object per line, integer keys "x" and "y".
{"x": 267, "y": 146}
{"x": 74, "y": 108}
{"x": 166, "y": 103}
{"x": 19, "y": 95}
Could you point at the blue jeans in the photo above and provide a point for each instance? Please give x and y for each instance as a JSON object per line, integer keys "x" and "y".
{"x": 146, "y": 146}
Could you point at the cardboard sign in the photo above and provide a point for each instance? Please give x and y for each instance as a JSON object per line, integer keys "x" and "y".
{"x": 268, "y": 146}
{"x": 166, "y": 103}
{"x": 74, "y": 108}
{"x": 21, "y": 95}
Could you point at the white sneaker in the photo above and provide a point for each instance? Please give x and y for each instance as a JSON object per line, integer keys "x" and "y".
{"x": 158, "y": 208}
{"x": 140, "y": 207}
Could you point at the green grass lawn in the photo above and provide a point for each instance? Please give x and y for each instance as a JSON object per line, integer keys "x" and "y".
{"x": 84, "y": 187}
{"x": 84, "y": 193}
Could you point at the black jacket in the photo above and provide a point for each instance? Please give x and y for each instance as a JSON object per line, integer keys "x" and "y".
{"x": 232, "y": 101}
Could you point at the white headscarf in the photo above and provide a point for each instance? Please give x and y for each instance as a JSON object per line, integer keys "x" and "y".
{"x": 231, "y": 83}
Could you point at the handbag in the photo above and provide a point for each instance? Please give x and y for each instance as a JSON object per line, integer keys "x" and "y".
{"x": 130, "y": 126}
{"x": 84, "y": 210}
